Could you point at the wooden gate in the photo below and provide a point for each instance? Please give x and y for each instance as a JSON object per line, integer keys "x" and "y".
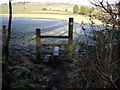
{"x": 69, "y": 45}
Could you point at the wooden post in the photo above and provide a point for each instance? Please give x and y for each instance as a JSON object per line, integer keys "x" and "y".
{"x": 38, "y": 44}
{"x": 3, "y": 41}
{"x": 4, "y": 35}
{"x": 9, "y": 31}
{"x": 70, "y": 39}
{"x": 119, "y": 29}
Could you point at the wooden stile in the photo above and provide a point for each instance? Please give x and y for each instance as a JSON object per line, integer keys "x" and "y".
{"x": 69, "y": 45}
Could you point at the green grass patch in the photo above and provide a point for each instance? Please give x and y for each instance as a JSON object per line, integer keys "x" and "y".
{"x": 48, "y": 11}
{"x": 18, "y": 9}
{"x": 22, "y": 11}
{"x": 28, "y": 8}
{"x": 4, "y": 9}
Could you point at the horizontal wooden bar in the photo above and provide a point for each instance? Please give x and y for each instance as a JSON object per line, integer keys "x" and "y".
{"x": 55, "y": 45}
{"x": 54, "y": 36}
{"x": 43, "y": 53}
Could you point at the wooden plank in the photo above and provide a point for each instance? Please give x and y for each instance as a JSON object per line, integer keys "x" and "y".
{"x": 51, "y": 53}
{"x": 70, "y": 39}
{"x": 54, "y": 36}
{"x": 4, "y": 35}
{"x": 4, "y": 42}
{"x": 38, "y": 42}
{"x": 55, "y": 45}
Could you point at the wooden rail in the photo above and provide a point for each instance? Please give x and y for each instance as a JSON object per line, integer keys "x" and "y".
{"x": 4, "y": 39}
{"x": 55, "y": 45}
{"x": 53, "y": 36}
{"x": 69, "y": 45}
{"x": 43, "y": 53}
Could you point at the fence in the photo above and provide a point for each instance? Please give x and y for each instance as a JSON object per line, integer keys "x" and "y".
{"x": 4, "y": 40}
{"x": 69, "y": 45}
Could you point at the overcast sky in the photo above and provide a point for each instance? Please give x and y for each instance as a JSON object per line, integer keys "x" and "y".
{"x": 81, "y": 2}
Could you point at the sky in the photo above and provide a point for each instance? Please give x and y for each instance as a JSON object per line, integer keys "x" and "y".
{"x": 81, "y": 2}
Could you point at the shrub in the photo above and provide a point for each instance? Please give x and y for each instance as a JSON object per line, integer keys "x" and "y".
{"x": 75, "y": 9}
{"x": 44, "y": 9}
{"x": 91, "y": 9}
{"x": 99, "y": 68}
{"x": 86, "y": 10}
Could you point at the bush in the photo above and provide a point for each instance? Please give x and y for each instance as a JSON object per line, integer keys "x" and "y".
{"x": 86, "y": 10}
{"x": 99, "y": 68}
{"x": 75, "y": 9}
{"x": 82, "y": 10}
{"x": 91, "y": 9}
{"x": 44, "y": 9}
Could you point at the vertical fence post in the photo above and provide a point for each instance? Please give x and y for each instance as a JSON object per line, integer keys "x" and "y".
{"x": 70, "y": 39}
{"x": 38, "y": 44}
{"x": 119, "y": 29}
{"x": 3, "y": 41}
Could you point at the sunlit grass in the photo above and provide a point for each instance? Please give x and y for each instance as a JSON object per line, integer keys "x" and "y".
{"x": 18, "y": 9}
{"x": 48, "y": 11}
{"x": 34, "y": 8}
{"x": 77, "y": 18}
{"x": 29, "y": 11}
{"x": 4, "y": 9}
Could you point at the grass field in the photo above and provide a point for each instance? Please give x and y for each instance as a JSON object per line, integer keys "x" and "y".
{"x": 37, "y": 12}
{"x": 30, "y": 8}
{"x": 77, "y": 18}
{"x": 48, "y": 11}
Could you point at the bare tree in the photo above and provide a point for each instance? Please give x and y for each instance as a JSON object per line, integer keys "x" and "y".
{"x": 109, "y": 14}
{"x": 6, "y": 76}
{"x": 9, "y": 30}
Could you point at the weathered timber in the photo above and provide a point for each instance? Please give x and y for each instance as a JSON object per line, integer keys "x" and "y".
{"x": 60, "y": 53}
{"x": 3, "y": 41}
{"x": 70, "y": 39}
{"x": 55, "y": 45}
{"x": 38, "y": 43}
{"x": 69, "y": 45}
{"x": 119, "y": 30}
{"x": 53, "y": 36}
